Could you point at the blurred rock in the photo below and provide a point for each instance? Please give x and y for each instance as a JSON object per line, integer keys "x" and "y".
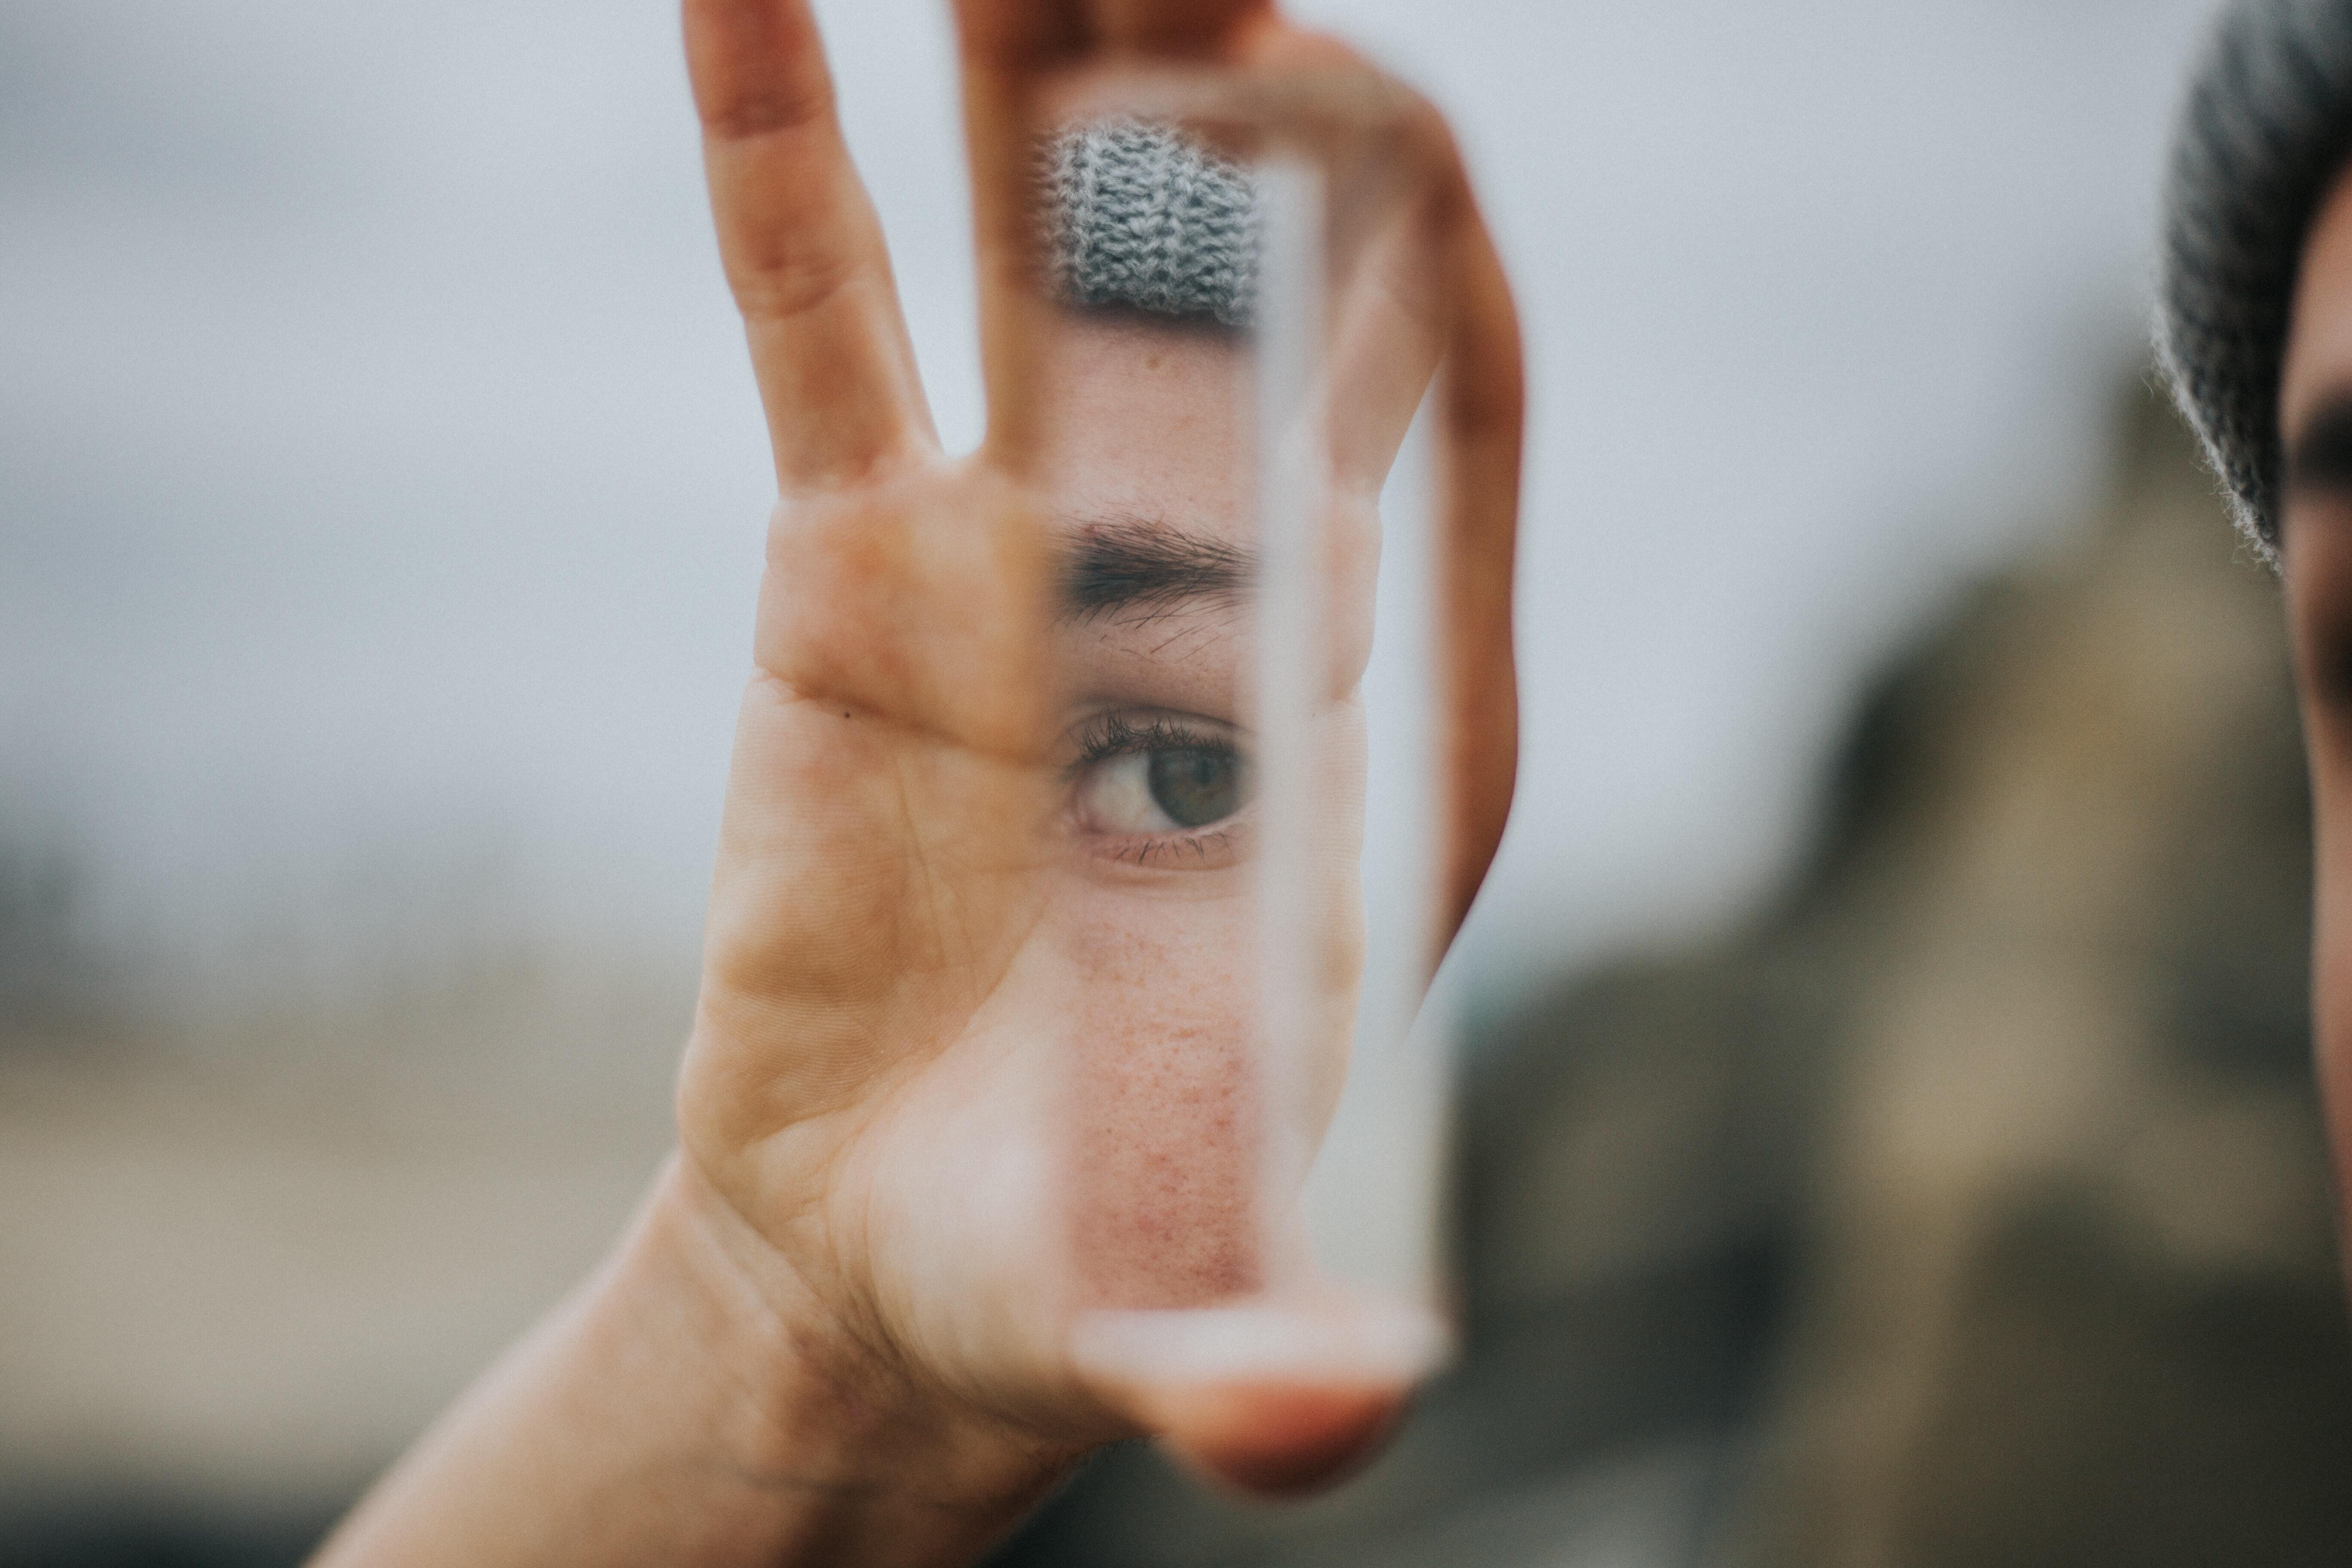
{"x": 2069, "y": 1287}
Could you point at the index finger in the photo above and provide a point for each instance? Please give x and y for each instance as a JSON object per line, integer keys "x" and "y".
{"x": 802, "y": 246}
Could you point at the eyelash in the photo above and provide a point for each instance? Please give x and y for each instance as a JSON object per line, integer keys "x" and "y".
{"x": 1116, "y": 735}
{"x": 1113, "y": 735}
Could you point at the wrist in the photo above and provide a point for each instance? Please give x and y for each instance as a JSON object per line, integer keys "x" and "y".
{"x": 827, "y": 1439}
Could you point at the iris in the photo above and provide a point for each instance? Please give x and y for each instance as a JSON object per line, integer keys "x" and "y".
{"x": 1195, "y": 786}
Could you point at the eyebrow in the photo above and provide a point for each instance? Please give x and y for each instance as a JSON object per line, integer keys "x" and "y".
{"x": 2320, "y": 461}
{"x": 1140, "y": 563}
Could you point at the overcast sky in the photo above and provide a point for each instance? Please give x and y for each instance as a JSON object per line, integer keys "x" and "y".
{"x": 382, "y": 484}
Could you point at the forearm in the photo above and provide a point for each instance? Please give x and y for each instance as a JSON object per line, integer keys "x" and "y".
{"x": 674, "y": 1412}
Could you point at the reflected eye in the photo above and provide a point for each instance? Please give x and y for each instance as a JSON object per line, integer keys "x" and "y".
{"x": 1194, "y": 786}
{"x": 1160, "y": 777}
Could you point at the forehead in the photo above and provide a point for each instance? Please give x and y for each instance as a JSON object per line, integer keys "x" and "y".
{"x": 1140, "y": 418}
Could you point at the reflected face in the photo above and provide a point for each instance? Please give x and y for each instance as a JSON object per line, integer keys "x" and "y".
{"x": 1146, "y": 469}
{"x": 1210, "y": 942}
{"x": 1146, "y": 474}
{"x": 2315, "y": 545}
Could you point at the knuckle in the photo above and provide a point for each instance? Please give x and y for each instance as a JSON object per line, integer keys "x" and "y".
{"x": 786, "y": 280}
{"x": 770, "y": 109}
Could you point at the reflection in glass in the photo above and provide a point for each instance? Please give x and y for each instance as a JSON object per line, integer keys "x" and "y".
{"x": 1231, "y": 342}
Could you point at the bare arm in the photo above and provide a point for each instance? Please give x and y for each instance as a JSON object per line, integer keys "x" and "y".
{"x": 671, "y": 1412}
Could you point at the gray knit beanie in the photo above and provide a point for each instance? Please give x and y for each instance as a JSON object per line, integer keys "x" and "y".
{"x": 2266, "y": 128}
{"x": 1142, "y": 218}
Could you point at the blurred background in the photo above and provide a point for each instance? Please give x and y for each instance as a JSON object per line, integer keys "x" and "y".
{"x": 1886, "y": 1129}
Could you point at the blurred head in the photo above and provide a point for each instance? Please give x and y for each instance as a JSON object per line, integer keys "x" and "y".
{"x": 2256, "y": 335}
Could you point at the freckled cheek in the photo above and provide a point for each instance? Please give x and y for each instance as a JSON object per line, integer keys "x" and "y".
{"x": 1165, "y": 1110}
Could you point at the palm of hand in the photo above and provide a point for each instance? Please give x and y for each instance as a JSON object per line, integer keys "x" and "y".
{"x": 866, "y": 1083}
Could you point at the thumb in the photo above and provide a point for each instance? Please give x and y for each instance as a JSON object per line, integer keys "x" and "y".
{"x": 1276, "y": 1397}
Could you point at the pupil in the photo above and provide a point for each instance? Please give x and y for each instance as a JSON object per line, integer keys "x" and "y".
{"x": 1195, "y": 786}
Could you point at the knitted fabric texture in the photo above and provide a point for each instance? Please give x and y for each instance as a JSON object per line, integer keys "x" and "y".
{"x": 2262, "y": 138}
{"x": 1141, "y": 218}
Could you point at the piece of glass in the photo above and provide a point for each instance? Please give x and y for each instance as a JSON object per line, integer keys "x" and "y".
{"x": 1235, "y": 312}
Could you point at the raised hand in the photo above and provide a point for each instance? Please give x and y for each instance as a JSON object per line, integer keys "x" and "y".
{"x": 967, "y": 1084}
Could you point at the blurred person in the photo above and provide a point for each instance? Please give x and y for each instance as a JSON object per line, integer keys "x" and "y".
{"x": 842, "y": 1327}
{"x": 2255, "y": 334}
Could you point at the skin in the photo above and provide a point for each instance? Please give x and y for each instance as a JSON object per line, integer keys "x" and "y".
{"x": 2315, "y": 554}
{"x": 969, "y": 1066}
{"x": 1161, "y": 1108}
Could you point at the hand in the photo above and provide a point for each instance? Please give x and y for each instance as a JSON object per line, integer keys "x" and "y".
{"x": 969, "y": 1073}
{"x": 875, "y": 1090}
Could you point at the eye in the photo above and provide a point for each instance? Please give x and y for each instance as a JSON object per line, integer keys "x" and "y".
{"x": 1173, "y": 789}
{"x": 1157, "y": 778}
{"x": 1194, "y": 785}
